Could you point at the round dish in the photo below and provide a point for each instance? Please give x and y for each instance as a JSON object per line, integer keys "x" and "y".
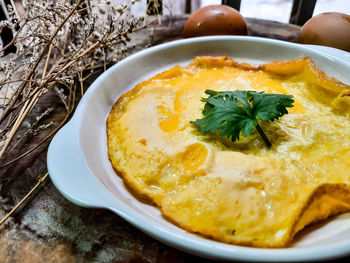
{"x": 79, "y": 167}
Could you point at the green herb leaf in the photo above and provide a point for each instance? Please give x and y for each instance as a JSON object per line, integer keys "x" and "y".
{"x": 233, "y": 112}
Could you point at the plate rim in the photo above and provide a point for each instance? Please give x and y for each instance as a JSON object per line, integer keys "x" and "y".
{"x": 218, "y": 249}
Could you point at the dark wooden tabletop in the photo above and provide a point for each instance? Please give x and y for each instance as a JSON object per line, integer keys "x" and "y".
{"x": 48, "y": 228}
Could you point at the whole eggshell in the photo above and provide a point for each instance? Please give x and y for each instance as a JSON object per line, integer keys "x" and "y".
{"x": 215, "y": 20}
{"x": 327, "y": 29}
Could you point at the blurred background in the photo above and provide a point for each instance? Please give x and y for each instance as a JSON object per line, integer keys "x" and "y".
{"x": 275, "y": 10}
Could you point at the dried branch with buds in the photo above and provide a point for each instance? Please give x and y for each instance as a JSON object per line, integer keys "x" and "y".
{"x": 59, "y": 44}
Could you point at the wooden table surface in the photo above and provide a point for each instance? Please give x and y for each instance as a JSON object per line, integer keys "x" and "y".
{"x": 48, "y": 228}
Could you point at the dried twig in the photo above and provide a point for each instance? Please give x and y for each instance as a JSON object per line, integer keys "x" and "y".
{"x": 25, "y": 109}
{"x": 81, "y": 46}
{"x": 75, "y": 44}
{"x": 15, "y": 9}
{"x": 32, "y": 71}
{"x": 40, "y": 181}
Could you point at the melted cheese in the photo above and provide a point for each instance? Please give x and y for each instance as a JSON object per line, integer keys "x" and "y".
{"x": 238, "y": 192}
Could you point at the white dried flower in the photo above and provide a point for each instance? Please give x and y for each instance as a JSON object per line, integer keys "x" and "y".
{"x": 68, "y": 41}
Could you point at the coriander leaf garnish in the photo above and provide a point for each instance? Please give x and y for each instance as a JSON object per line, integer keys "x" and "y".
{"x": 233, "y": 112}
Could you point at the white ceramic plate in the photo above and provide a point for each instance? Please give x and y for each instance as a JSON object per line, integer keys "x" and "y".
{"x": 79, "y": 167}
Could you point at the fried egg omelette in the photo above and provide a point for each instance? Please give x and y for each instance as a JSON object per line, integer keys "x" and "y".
{"x": 236, "y": 192}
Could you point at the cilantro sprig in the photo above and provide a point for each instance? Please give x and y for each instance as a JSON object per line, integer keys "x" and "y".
{"x": 233, "y": 112}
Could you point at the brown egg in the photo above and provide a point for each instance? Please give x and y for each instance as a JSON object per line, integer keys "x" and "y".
{"x": 328, "y": 29}
{"x": 215, "y": 20}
